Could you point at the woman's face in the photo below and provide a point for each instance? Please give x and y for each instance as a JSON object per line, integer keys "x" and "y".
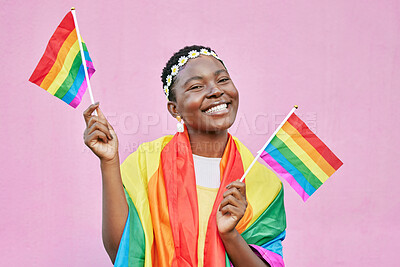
{"x": 206, "y": 97}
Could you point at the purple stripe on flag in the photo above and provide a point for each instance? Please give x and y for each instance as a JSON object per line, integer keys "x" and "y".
{"x": 275, "y": 260}
{"x": 282, "y": 172}
{"x": 89, "y": 65}
{"x": 78, "y": 98}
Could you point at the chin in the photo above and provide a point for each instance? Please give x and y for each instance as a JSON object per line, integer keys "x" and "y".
{"x": 220, "y": 126}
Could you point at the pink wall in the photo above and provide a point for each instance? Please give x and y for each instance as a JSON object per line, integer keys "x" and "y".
{"x": 339, "y": 60}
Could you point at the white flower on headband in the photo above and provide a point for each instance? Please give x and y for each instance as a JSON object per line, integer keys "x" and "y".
{"x": 205, "y": 52}
{"x": 193, "y": 54}
{"x": 166, "y": 90}
{"x": 174, "y": 70}
{"x": 169, "y": 80}
{"x": 182, "y": 60}
{"x": 214, "y": 55}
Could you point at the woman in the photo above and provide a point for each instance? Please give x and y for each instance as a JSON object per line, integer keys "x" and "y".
{"x": 178, "y": 201}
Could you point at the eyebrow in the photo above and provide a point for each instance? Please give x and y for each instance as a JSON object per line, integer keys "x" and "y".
{"x": 201, "y": 77}
{"x": 220, "y": 71}
{"x": 193, "y": 78}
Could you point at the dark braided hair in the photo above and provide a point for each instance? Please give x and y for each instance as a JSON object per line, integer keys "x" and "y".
{"x": 173, "y": 61}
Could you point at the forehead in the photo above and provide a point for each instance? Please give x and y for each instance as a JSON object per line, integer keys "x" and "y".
{"x": 200, "y": 66}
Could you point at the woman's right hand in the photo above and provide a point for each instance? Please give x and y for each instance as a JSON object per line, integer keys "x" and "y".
{"x": 99, "y": 135}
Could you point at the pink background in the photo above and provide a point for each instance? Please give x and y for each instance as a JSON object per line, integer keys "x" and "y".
{"x": 339, "y": 60}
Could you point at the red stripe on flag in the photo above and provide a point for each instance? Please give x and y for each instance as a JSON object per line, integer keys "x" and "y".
{"x": 180, "y": 186}
{"x": 325, "y": 152}
{"x": 53, "y": 47}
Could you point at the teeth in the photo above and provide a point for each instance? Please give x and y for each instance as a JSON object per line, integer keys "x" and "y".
{"x": 217, "y": 108}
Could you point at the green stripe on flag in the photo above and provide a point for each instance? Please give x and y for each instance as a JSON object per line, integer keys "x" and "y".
{"x": 69, "y": 81}
{"x": 269, "y": 225}
{"x": 137, "y": 243}
{"x": 296, "y": 162}
{"x": 84, "y": 47}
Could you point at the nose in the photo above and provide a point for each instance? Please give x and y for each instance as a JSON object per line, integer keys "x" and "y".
{"x": 215, "y": 91}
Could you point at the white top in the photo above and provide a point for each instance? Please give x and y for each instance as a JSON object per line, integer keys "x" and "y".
{"x": 207, "y": 171}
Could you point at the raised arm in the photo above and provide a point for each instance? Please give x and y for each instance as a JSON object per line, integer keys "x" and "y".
{"x": 100, "y": 137}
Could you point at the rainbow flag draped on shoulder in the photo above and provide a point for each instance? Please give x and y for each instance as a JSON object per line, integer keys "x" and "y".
{"x": 300, "y": 157}
{"x": 60, "y": 71}
{"x": 162, "y": 228}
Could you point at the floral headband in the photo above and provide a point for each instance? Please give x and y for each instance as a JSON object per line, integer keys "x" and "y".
{"x": 182, "y": 61}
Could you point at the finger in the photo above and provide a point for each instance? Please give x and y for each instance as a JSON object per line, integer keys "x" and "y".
{"x": 101, "y": 115}
{"x": 85, "y": 134}
{"x": 97, "y": 135}
{"x": 95, "y": 119}
{"x": 88, "y": 112}
{"x": 100, "y": 127}
{"x": 232, "y": 210}
{"x": 235, "y": 193}
{"x": 239, "y": 185}
{"x": 230, "y": 200}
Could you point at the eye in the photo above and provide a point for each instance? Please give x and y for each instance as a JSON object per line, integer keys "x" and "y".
{"x": 196, "y": 86}
{"x": 224, "y": 79}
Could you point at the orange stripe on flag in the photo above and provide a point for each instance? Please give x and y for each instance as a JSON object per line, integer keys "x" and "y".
{"x": 59, "y": 63}
{"x": 244, "y": 222}
{"x": 325, "y": 152}
{"x": 308, "y": 148}
{"x": 163, "y": 238}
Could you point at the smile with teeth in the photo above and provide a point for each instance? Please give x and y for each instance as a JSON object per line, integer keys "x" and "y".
{"x": 216, "y": 108}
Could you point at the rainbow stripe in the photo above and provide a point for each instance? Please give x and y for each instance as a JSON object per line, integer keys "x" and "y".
{"x": 60, "y": 70}
{"x": 300, "y": 157}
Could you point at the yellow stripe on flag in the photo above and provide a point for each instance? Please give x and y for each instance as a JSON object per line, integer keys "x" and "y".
{"x": 308, "y": 148}
{"x": 302, "y": 155}
{"x": 66, "y": 67}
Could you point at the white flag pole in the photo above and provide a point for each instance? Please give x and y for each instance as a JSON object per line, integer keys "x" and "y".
{"x": 269, "y": 140}
{"x": 83, "y": 56}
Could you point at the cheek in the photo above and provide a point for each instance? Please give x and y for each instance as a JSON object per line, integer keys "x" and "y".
{"x": 233, "y": 93}
{"x": 236, "y": 94}
{"x": 192, "y": 103}
{"x": 190, "y": 106}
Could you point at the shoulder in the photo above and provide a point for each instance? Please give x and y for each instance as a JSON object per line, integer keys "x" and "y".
{"x": 146, "y": 158}
{"x": 150, "y": 149}
{"x": 155, "y": 146}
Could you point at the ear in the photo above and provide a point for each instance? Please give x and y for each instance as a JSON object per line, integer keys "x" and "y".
{"x": 171, "y": 106}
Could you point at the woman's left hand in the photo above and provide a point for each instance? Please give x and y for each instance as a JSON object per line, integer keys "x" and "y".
{"x": 232, "y": 207}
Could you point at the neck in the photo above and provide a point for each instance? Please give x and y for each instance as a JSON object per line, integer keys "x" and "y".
{"x": 211, "y": 145}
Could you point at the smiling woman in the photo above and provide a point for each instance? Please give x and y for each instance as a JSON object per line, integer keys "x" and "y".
{"x": 205, "y": 97}
{"x": 177, "y": 201}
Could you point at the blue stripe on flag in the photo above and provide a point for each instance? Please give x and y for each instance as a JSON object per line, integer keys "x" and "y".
{"x": 73, "y": 91}
{"x": 297, "y": 175}
{"x": 123, "y": 250}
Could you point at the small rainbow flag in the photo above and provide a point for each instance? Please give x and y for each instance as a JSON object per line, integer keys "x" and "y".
{"x": 300, "y": 157}
{"x": 60, "y": 70}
